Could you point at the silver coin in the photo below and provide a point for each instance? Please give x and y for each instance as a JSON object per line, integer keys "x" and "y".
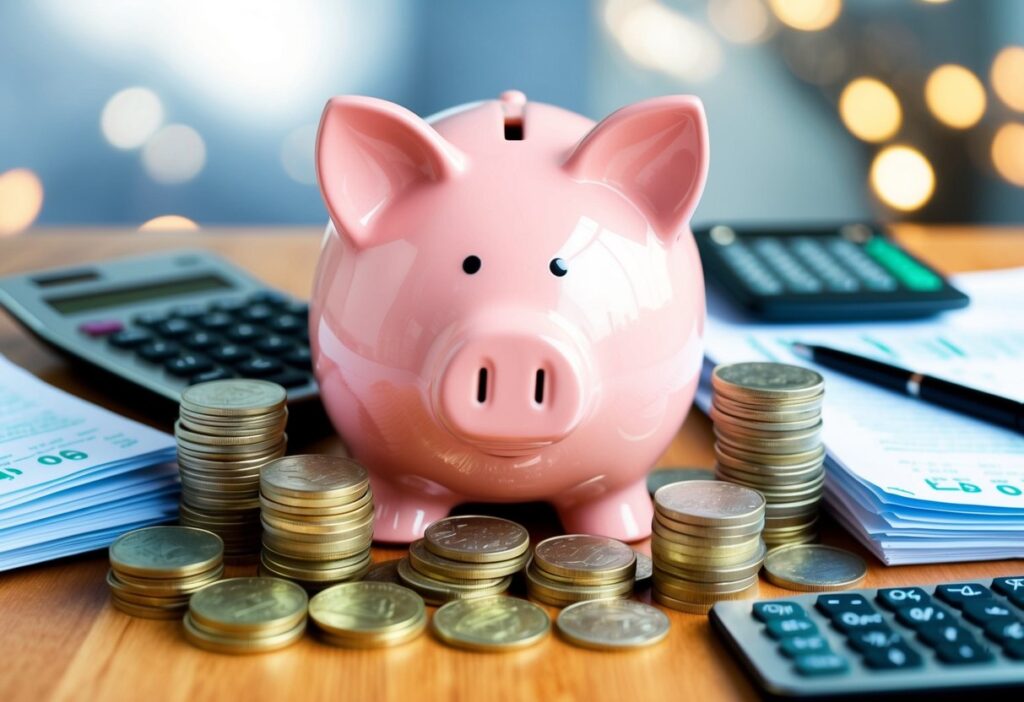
{"x": 814, "y": 568}
{"x": 665, "y": 476}
{"x": 612, "y": 624}
{"x": 644, "y": 570}
{"x": 476, "y": 538}
{"x": 235, "y": 397}
{"x": 710, "y": 502}
{"x": 767, "y": 380}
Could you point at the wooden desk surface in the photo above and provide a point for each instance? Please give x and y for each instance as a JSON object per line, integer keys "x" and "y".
{"x": 60, "y": 638}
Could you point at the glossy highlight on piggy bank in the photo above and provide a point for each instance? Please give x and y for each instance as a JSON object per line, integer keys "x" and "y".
{"x": 509, "y": 304}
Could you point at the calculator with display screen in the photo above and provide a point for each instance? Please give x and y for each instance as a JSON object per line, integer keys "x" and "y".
{"x": 836, "y": 273}
{"x": 166, "y": 321}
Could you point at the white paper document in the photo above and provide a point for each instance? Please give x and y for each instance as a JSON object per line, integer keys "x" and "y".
{"x": 915, "y": 482}
{"x": 73, "y": 475}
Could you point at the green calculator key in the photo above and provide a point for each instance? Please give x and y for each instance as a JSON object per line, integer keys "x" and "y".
{"x": 896, "y": 261}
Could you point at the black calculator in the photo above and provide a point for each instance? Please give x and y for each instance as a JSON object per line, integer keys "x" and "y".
{"x": 835, "y": 273}
{"x": 899, "y": 640}
{"x": 165, "y": 321}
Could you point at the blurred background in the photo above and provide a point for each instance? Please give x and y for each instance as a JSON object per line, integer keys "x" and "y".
{"x": 172, "y": 112}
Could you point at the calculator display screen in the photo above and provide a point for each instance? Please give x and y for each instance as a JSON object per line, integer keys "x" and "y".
{"x": 116, "y": 297}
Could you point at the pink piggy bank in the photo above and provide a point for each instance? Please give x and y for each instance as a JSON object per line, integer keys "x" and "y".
{"x": 509, "y": 305}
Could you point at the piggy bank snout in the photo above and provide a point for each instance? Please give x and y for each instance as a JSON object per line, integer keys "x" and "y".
{"x": 510, "y": 393}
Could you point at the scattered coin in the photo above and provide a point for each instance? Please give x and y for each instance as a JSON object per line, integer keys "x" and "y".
{"x": 368, "y": 614}
{"x": 612, "y": 624}
{"x": 664, "y": 476}
{"x": 476, "y": 539}
{"x": 246, "y": 615}
{"x": 384, "y": 572}
{"x": 498, "y": 623}
{"x": 814, "y": 568}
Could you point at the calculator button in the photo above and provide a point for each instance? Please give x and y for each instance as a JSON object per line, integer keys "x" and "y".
{"x": 811, "y": 252}
{"x": 215, "y": 374}
{"x": 244, "y": 332}
{"x": 129, "y": 338}
{"x": 849, "y": 622}
{"x": 274, "y": 345}
{"x": 893, "y": 598}
{"x": 767, "y": 611}
{"x": 215, "y": 321}
{"x": 287, "y": 324}
{"x": 785, "y": 266}
{"x": 269, "y": 297}
{"x": 944, "y": 634}
{"x": 289, "y": 379}
{"x": 813, "y": 664}
{"x": 257, "y": 313}
{"x": 299, "y": 309}
{"x": 188, "y": 311}
{"x": 897, "y": 657}
{"x": 981, "y": 612}
{"x": 173, "y": 328}
{"x": 200, "y": 341}
{"x": 873, "y": 640}
{"x": 793, "y": 646}
{"x": 1003, "y": 630}
{"x": 300, "y": 357}
{"x": 1014, "y": 649}
{"x": 150, "y": 319}
{"x": 1012, "y": 587}
{"x": 918, "y": 616}
{"x": 159, "y": 350}
{"x": 188, "y": 364}
{"x": 957, "y": 594}
{"x": 230, "y": 353}
{"x": 966, "y": 652}
{"x": 750, "y": 269}
{"x": 259, "y": 367}
{"x": 796, "y": 626}
{"x": 909, "y": 272}
{"x": 100, "y": 327}
{"x": 834, "y": 604}
{"x": 871, "y": 275}
{"x": 231, "y": 305}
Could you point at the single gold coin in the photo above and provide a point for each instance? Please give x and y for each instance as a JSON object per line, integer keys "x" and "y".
{"x": 814, "y": 568}
{"x": 166, "y": 551}
{"x": 612, "y": 625}
{"x": 585, "y": 558}
{"x": 249, "y": 606}
{"x": 710, "y": 503}
{"x": 234, "y": 398}
{"x": 476, "y": 539}
{"x": 318, "y": 478}
{"x": 366, "y": 610}
{"x": 491, "y": 624}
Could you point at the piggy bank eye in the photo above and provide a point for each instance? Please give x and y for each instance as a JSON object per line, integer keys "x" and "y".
{"x": 471, "y": 264}
{"x": 558, "y": 267}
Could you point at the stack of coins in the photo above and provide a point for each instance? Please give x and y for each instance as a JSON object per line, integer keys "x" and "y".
{"x": 317, "y": 516}
{"x": 227, "y": 430}
{"x": 768, "y": 428}
{"x": 465, "y": 557}
{"x": 578, "y": 567}
{"x": 246, "y": 615}
{"x": 154, "y": 571}
{"x": 706, "y": 544}
{"x": 368, "y": 615}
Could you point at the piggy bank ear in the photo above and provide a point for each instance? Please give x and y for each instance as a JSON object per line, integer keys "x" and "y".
{"x": 655, "y": 153}
{"x": 368, "y": 153}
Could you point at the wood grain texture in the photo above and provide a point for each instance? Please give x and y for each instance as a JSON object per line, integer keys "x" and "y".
{"x": 61, "y": 639}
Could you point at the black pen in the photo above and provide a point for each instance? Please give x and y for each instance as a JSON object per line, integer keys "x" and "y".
{"x": 959, "y": 398}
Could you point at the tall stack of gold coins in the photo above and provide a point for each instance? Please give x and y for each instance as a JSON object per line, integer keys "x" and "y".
{"x": 226, "y": 431}
{"x": 368, "y": 615}
{"x": 706, "y": 544}
{"x": 246, "y": 615}
{"x": 154, "y": 571}
{"x": 578, "y": 567}
{"x": 465, "y": 557}
{"x": 767, "y": 420}
{"x": 317, "y": 516}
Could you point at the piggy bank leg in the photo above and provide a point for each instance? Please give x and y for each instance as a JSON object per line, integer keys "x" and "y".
{"x": 625, "y": 515}
{"x": 401, "y": 514}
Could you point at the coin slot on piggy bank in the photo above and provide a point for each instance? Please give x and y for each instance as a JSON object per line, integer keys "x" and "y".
{"x": 560, "y": 361}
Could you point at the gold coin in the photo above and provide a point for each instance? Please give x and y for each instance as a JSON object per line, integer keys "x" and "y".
{"x": 436, "y": 592}
{"x": 740, "y": 532}
{"x": 432, "y": 565}
{"x": 314, "y": 573}
{"x": 234, "y": 398}
{"x": 690, "y": 541}
{"x": 317, "y": 551}
{"x": 763, "y": 426}
{"x": 366, "y": 609}
{"x": 644, "y": 569}
{"x": 491, "y": 624}
{"x": 772, "y": 447}
{"x": 663, "y": 553}
{"x": 814, "y": 568}
{"x": 145, "y": 612}
{"x": 476, "y": 539}
{"x": 315, "y": 478}
{"x": 162, "y": 587}
{"x": 338, "y": 535}
{"x": 205, "y": 639}
{"x": 384, "y": 572}
{"x": 179, "y": 604}
{"x": 559, "y": 593}
{"x": 710, "y": 503}
{"x": 166, "y": 551}
{"x": 305, "y": 511}
{"x": 612, "y": 625}
{"x": 706, "y": 596}
{"x": 391, "y": 638}
{"x": 585, "y": 558}
{"x": 225, "y": 438}
{"x": 770, "y": 411}
{"x": 769, "y": 459}
{"x": 249, "y": 605}
{"x": 767, "y": 381}
{"x": 680, "y": 605}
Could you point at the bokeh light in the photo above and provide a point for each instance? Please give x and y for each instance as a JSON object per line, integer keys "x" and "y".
{"x": 806, "y": 15}
{"x": 955, "y": 96}
{"x": 740, "y": 21}
{"x": 902, "y": 177}
{"x": 131, "y": 117}
{"x": 658, "y": 37}
{"x": 169, "y": 223}
{"x": 297, "y": 152}
{"x": 175, "y": 154}
{"x": 21, "y": 199}
{"x": 870, "y": 109}
{"x": 1008, "y": 77}
{"x": 1008, "y": 152}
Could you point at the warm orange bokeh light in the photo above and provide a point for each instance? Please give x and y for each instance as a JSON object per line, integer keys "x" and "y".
{"x": 21, "y": 199}
{"x": 1008, "y": 77}
{"x": 169, "y": 223}
{"x": 1008, "y": 152}
{"x": 955, "y": 96}
{"x": 870, "y": 109}
{"x": 902, "y": 178}
{"x": 806, "y": 15}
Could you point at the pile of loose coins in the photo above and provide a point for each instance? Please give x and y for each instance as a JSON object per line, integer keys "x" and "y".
{"x": 767, "y": 420}
{"x": 246, "y": 615}
{"x": 465, "y": 557}
{"x": 154, "y": 571}
{"x": 368, "y": 615}
{"x": 579, "y": 567}
{"x": 227, "y": 430}
{"x": 317, "y": 517}
{"x": 706, "y": 544}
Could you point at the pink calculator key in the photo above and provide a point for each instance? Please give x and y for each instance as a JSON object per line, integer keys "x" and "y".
{"x": 100, "y": 327}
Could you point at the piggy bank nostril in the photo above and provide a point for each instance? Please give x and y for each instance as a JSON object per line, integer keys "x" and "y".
{"x": 481, "y": 386}
{"x": 538, "y": 387}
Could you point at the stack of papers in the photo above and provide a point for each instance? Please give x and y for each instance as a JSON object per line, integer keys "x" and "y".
{"x": 914, "y": 482}
{"x": 74, "y": 476}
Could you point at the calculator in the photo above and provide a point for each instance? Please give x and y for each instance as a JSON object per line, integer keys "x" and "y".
{"x": 166, "y": 321}
{"x": 940, "y": 638}
{"x": 835, "y": 273}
